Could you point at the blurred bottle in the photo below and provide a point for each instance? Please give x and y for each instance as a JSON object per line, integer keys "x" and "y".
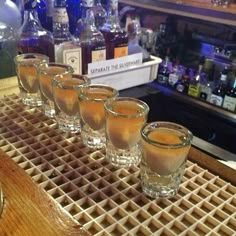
{"x": 10, "y": 14}
{"x": 20, "y": 6}
{"x": 207, "y": 84}
{"x": 74, "y": 10}
{"x": 91, "y": 39}
{"x": 100, "y": 14}
{"x": 175, "y": 74}
{"x": 163, "y": 74}
{"x": 67, "y": 50}
{"x": 49, "y": 15}
{"x": 134, "y": 33}
{"x": 116, "y": 38}
{"x": 182, "y": 85}
{"x": 230, "y": 96}
{"x": 218, "y": 93}
{"x": 194, "y": 85}
{"x": 33, "y": 37}
{"x": 7, "y": 51}
{"x": 61, "y": 32}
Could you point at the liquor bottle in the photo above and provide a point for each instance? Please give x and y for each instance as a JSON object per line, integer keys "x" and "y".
{"x": 182, "y": 85}
{"x": 10, "y": 14}
{"x": 116, "y": 38}
{"x": 230, "y": 97}
{"x": 163, "y": 74}
{"x": 33, "y": 37}
{"x": 207, "y": 84}
{"x": 8, "y": 40}
{"x": 218, "y": 93}
{"x": 61, "y": 32}
{"x": 100, "y": 14}
{"x": 194, "y": 85}
{"x": 49, "y": 15}
{"x": 74, "y": 10}
{"x": 175, "y": 75}
{"x": 91, "y": 39}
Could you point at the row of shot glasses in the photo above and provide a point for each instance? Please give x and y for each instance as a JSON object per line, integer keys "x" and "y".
{"x": 106, "y": 120}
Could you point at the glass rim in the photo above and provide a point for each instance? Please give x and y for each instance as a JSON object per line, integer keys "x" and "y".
{"x": 170, "y": 125}
{"x": 58, "y": 80}
{"x": 45, "y": 59}
{"x": 68, "y": 68}
{"x": 109, "y": 102}
{"x": 83, "y": 96}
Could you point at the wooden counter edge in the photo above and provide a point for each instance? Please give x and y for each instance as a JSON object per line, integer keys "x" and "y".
{"x": 213, "y": 165}
{"x": 27, "y": 202}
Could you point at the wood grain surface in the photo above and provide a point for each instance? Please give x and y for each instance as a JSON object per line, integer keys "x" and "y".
{"x": 28, "y": 209}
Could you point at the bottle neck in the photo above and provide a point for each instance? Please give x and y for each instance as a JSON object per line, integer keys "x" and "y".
{"x": 60, "y": 18}
{"x": 31, "y": 19}
{"x": 113, "y": 15}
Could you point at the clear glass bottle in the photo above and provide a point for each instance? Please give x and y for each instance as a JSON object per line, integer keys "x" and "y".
{"x": 116, "y": 38}
{"x": 100, "y": 14}
{"x": 218, "y": 93}
{"x": 10, "y": 14}
{"x": 91, "y": 39}
{"x": 33, "y": 37}
{"x": 8, "y": 41}
{"x": 61, "y": 32}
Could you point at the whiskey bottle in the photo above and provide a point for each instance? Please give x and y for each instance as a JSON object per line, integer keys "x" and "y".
{"x": 100, "y": 14}
{"x": 61, "y": 30}
{"x": 182, "y": 85}
{"x": 116, "y": 38}
{"x": 33, "y": 37}
{"x": 91, "y": 39}
{"x": 218, "y": 93}
{"x": 230, "y": 97}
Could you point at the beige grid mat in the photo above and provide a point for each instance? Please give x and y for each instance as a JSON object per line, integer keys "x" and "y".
{"x": 109, "y": 201}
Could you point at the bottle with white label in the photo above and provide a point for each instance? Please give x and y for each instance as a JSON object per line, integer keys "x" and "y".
{"x": 230, "y": 97}
{"x": 67, "y": 50}
{"x": 218, "y": 93}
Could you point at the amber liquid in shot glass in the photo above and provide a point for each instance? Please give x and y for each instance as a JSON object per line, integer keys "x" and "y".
{"x": 91, "y": 102}
{"x": 27, "y": 75}
{"x": 165, "y": 147}
{"x": 66, "y": 98}
{"x": 46, "y": 72}
{"x": 124, "y": 120}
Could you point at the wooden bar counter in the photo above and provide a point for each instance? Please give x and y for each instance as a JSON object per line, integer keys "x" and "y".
{"x": 53, "y": 184}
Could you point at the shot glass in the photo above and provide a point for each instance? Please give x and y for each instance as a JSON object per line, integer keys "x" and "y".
{"x": 46, "y": 72}
{"x": 125, "y": 117}
{"x": 165, "y": 147}
{"x": 91, "y": 103}
{"x": 26, "y": 69}
{"x": 66, "y": 93}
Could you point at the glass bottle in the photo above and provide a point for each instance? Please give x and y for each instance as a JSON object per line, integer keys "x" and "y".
{"x": 74, "y": 10}
{"x": 164, "y": 71}
{"x": 182, "y": 85}
{"x": 218, "y": 93}
{"x": 33, "y": 37}
{"x": 100, "y": 14}
{"x": 194, "y": 85}
{"x": 61, "y": 32}
{"x": 230, "y": 97}
{"x": 49, "y": 15}
{"x": 7, "y": 50}
{"x": 67, "y": 49}
{"x": 175, "y": 74}
{"x": 116, "y": 38}
{"x": 91, "y": 39}
{"x": 10, "y": 14}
